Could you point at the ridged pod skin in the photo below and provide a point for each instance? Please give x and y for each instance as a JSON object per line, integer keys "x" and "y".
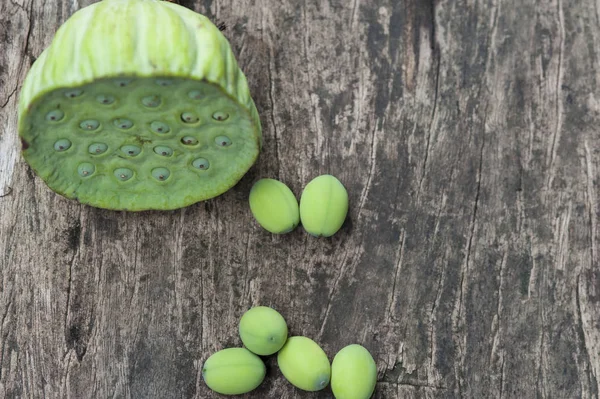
{"x": 263, "y": 330}
{"x": 304, "y": 364}
{"x": 136, "y": 105}
{"x": 353, "y": 373}
{"x": 323, "y": 206}
{"x": 274, "y": 206}
{"x": 233, "y": 371}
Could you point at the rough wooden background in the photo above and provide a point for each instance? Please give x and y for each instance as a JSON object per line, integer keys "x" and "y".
{"x": 467, "y": 133}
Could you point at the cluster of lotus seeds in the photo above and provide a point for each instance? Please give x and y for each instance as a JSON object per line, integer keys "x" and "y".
{"x": 264, "y": 332}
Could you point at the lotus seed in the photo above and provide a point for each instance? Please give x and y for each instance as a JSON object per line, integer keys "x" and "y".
{"x": 223, "y": 141}
{"x": 122, "y": 82}
{"x": 55, "y": 115}
{"x": 201, "y": 163}
{"x": 220, "y": 116}
{"x": 263, "y": 330}
{"x": 151, "y": 101}
{"x": 195, "y": 94}
{"x": 105, "y": 99}
{"x": 189, "y": 140}
{"x": 274, "y": 206}
{"x": 159, "y": 127}
{"x": 122, "y": 123}
{"x": 161, "y": 173}
{"x": 62, "y": 145}
{"x": 89, "y": 124}
{"x": 163, "y": 150}
{"x": 73, "y": 93}
{"x": 233, "y": 371}
{"x": 323, "y": 206}
{"x": 97, "y": 148}
{"x": 188, "y": 117}
{"x": 353, "y": 373}
{"x": 304, "y": 364}
{"x": 164, "y": 82}
{"x": 131, "y": 150}
{"x": 86, "y": 169}
{"x": 123, "y": 174}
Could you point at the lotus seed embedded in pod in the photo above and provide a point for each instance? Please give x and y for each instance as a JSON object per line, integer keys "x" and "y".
{"x": 304, "y": 364}
{"x": 141, "y": 89}
{"x": 263, "y": 330}
{"x": 274, "y": 206}
{"x": 323, "y": 206}
{"x": 233, "y": 371}
{"x": 353, "y": 373}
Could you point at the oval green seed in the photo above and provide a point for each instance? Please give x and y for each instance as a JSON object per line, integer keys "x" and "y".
{"x": 195, "y": 94}
{"x": 73, "y": 93}
{"x": 353, "y": 373}
{"x": 62, "y": 145}
{"x": 201, "y": 163}
{"x": 220, "y": 116}
{"x": 233, "y": 371}
{"x": 55, "y": 115}
{"x": 164, "y": 82}
{"x": 189, "y": 140}
{"x": 159, "y": 127}
{"x": 304, "y": 364}
{"x": 86, "y": 169}
{"x": 263, "y": 330}
{"x": 131, "y": 150}
{"x": 90, "y": 124}
{"x": 97, "y": 148}
{"x": 323, "y": 206}
{"x": 223, "y": 141}
{"x": 274, "y": 206}
{"x": 105, "y": 99}
{"x": 123, "y": 174}
{"x": 188, "y": 117}
{"x": 151, "y": 101}
{"x": 163, "y": 150}
{"x": 122, "y": 82}
{"x": 161, "y": 174}
{"x": 123, "y": 123}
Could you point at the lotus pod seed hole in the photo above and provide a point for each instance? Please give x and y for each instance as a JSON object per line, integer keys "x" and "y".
{"x": 163, "y": 150}
{"x": 223, "y": 141}
{"x": 131, "y": 150}
{"x": 161, "y": 174}
{"x": 151, "y": 101}
{"x": 195, "y": 94}
{"x": 55, "y": 115}
{"x": 90, "y": 124}
{"x": 123, "y": 174}
{"x": 189, "y": 140}
{"x": 220, "y": 116}
{"x": 123, "y": 123}
{"x": 122, "y": 82}
{"x": 105, "y": 99}
{"x": 164, "y": 82}
{"x": 97, "y": 148}
{"x": 62, "y": 145}
{"x": 188, "y": 117}
{"x": 86, "y": 169}
{"x": 201, "y": 163}
{"x": 159, "y": 127}
{"x": 73, "y": 93}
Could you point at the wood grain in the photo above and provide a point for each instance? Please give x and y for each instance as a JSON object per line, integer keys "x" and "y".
{"x": 466, "y": 133}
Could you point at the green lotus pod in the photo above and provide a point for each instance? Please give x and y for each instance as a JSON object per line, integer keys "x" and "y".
{"x": 274, "y": 206}
{"x": 353, "y": 373}
{"x": 304, "y": 364}
{"x": 263, "y": 330}
{"x": 233, "y": 371}
{"x": 140, "y": 76}
{"x": 323, "y": 206}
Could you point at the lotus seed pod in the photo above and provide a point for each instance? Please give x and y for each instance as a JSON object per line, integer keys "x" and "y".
{"x": 263, "y": 330}
{"x": 304, "y": 364}
{"x": 323, "y": 206}
{"x": 274, "y": 206}
{"x": 233, "y": 371}
{"x": 146, "y": 76}
{"x": 353, "y": 373}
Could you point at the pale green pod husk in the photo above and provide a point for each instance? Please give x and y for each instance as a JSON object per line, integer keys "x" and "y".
{"x": 274, "y": 206}
{"x": 146, "y": 74}
{"x": 233, "y": 371}
{"x": 263, "y": 330}
{"x": 304, "y": 364}
{"x": 323, "y": 206}
{"x": 353, "y": 373}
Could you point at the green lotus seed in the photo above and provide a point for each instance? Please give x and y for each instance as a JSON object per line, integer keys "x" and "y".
{"x": 220, "y": 116}
{"x": 105, "y": 99}
{"x": 55, "y": 115}
{"x": 86, "y": 169}
{"x": 189, "y": 140}
{"x": 233, "y": 371}
{"x": 62, "y": 145}
{"x": 223, "y": 141}
{"x": 274, "y": 206}
{"x": 353, "y": 373}
{"x": 73, "y": 93}
{"x": 131, "y": 150}
{"x": 164, "y": 82}
{"x": 201, "y": 163}
{"x": 163, "y": 150}
{"x": 122, "y": 82}
{"x": 159, "y": 127}
{"x": 195, "y": 94}
{"x": 89, "y": 124}
{"x": 323, "y": 206}
{"x": 263, "y": 330}
{"x": 123, "y": 123}
{"x": 123, "y": 174}
{"x": 161, "y": 174}
{"x": 151, "y": 101}
{"x": 97, "y": 148}
{"x": 188, "y": 117}
{"x": 304, "y": 364}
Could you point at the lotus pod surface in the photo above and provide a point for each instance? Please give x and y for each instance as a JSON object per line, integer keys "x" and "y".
{"x": 137, "y": 105}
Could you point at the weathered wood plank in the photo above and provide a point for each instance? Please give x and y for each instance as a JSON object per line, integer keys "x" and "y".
{"x": 467, "y": 135}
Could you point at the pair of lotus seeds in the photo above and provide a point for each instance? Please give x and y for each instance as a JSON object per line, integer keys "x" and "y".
{"x": 264, "y": 332}
{"x": 322, "y": 210}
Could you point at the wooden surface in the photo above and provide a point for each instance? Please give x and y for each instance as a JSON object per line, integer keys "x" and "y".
{"x": 467, "y": 134}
